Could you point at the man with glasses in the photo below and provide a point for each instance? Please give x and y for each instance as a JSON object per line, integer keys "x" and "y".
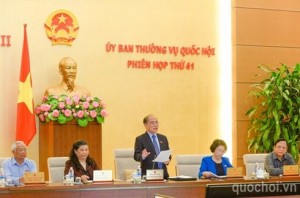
{"x": 275, "y": 160}
{"x": 15, "y": 167}
{"x": 149, "y": 144}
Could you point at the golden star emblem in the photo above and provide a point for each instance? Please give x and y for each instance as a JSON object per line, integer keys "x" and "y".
{"x": 62, "y": 19}
{"x": 25, "y": 93}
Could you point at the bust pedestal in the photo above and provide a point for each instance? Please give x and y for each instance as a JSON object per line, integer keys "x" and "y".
{"x": 56, "y": 140}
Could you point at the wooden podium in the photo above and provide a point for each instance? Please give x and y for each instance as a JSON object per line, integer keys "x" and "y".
{"x": 56, "y": 140}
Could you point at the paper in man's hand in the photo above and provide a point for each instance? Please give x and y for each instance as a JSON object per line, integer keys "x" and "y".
{"x": 163, "y": 156}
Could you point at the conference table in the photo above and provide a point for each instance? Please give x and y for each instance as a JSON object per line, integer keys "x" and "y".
{"x": 287, "y": 186}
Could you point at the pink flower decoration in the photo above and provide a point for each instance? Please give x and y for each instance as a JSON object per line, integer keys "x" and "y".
{"x": 85, "y": 105}
{"x": 37, "y": 110}
{"x": 76, "y": 107}
{"x": 93, "y": 113}
{"x": 55, "y": 113}
{"x": 45, "y": 107}
{"x": 80, "y": 114}
{"x": 103, "y": 113}
{"x": 61, "y": 105}
{"x": 42, "y": 118}
{"x": 69, "y": 101}
{"x": 76, "y": 99}
{"x": 68, "y": 113}
{"x": 88, "y": 99}
{"x": 95, "y": 104}
{"x": 44, "y": 98}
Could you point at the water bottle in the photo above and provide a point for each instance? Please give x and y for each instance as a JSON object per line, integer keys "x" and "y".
{"x": 139, "y": 174}
{"x": 2, "y": 178}
{"x": 71, "y": 175}
{"x": 256, "y": 167}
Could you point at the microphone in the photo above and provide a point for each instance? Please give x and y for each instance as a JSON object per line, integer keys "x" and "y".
{"x": 153, "y": 162}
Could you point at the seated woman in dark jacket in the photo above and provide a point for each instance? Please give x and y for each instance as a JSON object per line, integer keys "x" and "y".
{"x": 81, "y": 162}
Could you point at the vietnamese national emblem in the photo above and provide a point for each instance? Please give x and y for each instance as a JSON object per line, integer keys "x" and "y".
{"x": 61, "y": 27}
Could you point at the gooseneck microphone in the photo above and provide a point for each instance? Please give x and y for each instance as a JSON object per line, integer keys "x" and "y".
{"x": 153, "y": 162}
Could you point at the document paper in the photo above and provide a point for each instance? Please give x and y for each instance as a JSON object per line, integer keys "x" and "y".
{"x": 217, "y": 176}
{"x": 163, "y": 156}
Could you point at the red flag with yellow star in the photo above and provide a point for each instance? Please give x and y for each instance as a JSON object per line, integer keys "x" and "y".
{"x": 26, "y": 128}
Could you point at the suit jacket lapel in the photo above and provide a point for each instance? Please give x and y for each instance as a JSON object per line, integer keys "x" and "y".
{"x": 160, "y": 142}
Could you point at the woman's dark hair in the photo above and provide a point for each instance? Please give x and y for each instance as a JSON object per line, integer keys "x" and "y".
{"x": 73, "y": 156}
{"x": 216, "y": 143}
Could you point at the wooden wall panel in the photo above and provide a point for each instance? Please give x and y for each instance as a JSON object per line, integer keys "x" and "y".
{"x": 263, "y": 32}
{"x": 242, "y": 134}
{"x": 244, "y": 100}
{"x": 267, "y": 28}
{"x": 243, "y": 127}
{"x": 268, "y": 4}
{"x": 248, "y": 58}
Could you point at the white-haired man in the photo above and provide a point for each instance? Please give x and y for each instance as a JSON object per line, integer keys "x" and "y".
{"x": 15, "y": 167}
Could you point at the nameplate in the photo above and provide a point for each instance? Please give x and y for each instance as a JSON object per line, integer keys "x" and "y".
{"x": 154, "y": 174}
{"x": 235, "y": 172}
{"x": 34, "y": 178}
{"x": 102, "y": 175}
{"x": 290, "y": 170}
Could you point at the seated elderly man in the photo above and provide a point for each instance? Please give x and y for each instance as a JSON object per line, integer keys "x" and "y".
{"x": 275, "y": 160}
{"x": 15, "y": 167}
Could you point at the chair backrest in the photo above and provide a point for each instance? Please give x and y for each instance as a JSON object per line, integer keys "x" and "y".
{"x": 2, "y": 159}
{"x": 251, "y": 159}
{"x": 56, "y": 167}
{"x": 124, "y": 161}
{"x": 189, "y": 165}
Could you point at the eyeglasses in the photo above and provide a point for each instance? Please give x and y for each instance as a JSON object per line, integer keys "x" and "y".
{"x": 21, "y": 149}
{"x": 153, "y": 122}
{"x": 281, "y": 147}
{"x": 220, "y": 150}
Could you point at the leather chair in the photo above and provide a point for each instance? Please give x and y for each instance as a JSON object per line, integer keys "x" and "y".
{"x": 251, "y": 159}
{"x": 124, "y": 162}
{"x": 56, "y": 167}
{"x": 189, "y": 165}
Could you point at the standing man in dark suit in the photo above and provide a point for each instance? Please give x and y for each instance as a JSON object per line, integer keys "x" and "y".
{"x": 144, "y": 148}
